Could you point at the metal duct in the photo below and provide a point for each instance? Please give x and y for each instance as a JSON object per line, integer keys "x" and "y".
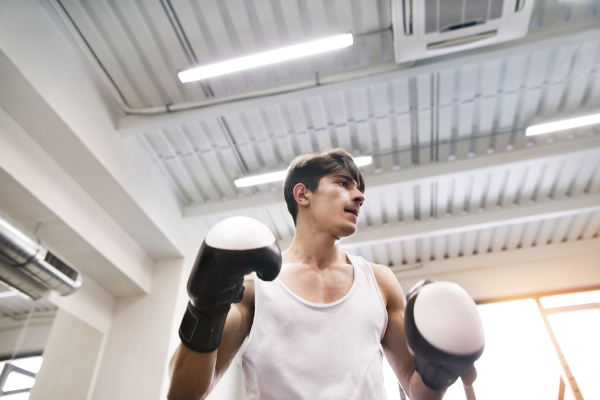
{"x": 21, "y": 249}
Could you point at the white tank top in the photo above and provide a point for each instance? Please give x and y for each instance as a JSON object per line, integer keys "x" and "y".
{"x": 302, "y": 350}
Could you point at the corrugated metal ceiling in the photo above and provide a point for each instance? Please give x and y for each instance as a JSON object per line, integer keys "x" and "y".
{"x": 464, "y": 112}
{"x": 393, "y": 209}
{"x": 469, "y": 111}
{"x": 142, "y": 45}
{"x": 402, "y": 255}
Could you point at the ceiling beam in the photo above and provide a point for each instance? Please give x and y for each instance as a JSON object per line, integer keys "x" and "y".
{"x": 407, "y": 176}
{"x": 258, "y": 201}
{"x": 51, "y": 94}
{"x": 516, "y": 272}
{"x": 125, "y": 268}
{"x": 545, "y": 38}
{"x": 474, "y": 221}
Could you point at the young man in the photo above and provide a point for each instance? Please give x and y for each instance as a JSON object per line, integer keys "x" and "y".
{"x": 318, "y": 330}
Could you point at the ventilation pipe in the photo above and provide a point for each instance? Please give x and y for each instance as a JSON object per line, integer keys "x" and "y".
{"x": 22, "y": 250}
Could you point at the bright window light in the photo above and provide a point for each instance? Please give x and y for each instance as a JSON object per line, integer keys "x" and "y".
{"x": 31, "y": 364}
{"x": 570, "y": 299}
{"x": 269, "y": 57}
{"x": 562, "y": 125}
{"x": 514, "y": 330}
{"x": 280, "y": 175}
{"x": 577, "y": 335}
{"x": 18, "y": 381}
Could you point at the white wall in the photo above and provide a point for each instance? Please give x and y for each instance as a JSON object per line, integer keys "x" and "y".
{"x": 134, "y": 364}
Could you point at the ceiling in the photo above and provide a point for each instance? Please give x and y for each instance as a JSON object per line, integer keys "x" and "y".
{"x": 140, "y": 46}
{"x": 453, "y": 174}
{"x": 15, "y": 309}
{"x": 34, "y": 216}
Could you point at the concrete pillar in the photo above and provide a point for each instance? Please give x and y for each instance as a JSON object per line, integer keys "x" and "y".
{"x": 135, "y": 360}
{"x": 69, "y": 360}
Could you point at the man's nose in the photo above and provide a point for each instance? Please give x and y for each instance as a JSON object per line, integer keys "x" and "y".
{"x": 359, "y": 198}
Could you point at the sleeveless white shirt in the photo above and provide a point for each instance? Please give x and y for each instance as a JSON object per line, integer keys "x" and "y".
{"x": 302, "y": 350}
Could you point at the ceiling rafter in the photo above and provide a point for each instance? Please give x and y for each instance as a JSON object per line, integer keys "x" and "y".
{"x": 572, "y": 34}
{"x": 474, "y": 221}
{"x": 430, "y": 172}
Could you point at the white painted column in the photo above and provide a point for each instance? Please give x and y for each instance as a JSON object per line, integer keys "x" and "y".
{"x": 69, "y": 360}
{"x": 138, "y": 347}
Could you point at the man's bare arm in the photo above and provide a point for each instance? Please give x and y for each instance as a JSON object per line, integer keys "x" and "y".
{"x": 193, "y": 375}
{"x": 394, "y": 341}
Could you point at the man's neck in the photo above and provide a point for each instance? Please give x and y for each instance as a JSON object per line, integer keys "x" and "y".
{"x": 314, "y": 248}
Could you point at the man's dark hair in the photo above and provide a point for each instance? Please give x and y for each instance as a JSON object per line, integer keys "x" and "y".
{"x": 310, "y": 168}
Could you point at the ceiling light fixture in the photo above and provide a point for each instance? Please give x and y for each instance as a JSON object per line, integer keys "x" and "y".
{"x": 8, "y": 293}
{"x": 280, "y": 175}
{"x": 562, "y": 125}
{"x": 269, "y": 57}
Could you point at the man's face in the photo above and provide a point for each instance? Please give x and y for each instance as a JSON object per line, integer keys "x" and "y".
{"x": 335, "y": 205}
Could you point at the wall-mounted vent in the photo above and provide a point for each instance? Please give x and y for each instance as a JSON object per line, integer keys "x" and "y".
{"x": 431, "y": 28}
{"x": 21, "y": 250}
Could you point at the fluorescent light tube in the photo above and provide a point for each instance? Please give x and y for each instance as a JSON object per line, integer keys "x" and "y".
{"x": 362, "y": 161}
{"x": 9, "y": 293}
{"x": 562, "y": 125}
{"x": 269, "y": 57}
{"x": 280, "y": 175}
{"x": 258, "y": 179}
{"x": 570, "y": 299}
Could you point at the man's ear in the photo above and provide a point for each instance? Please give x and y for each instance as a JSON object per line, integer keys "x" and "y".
{"x": 301, "y": 194}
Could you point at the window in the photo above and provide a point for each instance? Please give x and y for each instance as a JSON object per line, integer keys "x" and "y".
{"x": 532, "y": 345}
{"x": 17, "y": 377}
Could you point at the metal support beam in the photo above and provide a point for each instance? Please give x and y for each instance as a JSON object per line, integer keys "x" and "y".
{"x": 568, "y": 379}
{"x": 430, "y": 172}
{"x": 511, "y": 274}
{"x": 576, "y": 33}
{"x": 470, "y": 222}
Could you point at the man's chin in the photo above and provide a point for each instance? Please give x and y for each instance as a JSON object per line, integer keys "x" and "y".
{"x": 348, "y": 231}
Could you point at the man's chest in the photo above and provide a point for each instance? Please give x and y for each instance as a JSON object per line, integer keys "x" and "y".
{"x": 320, "y": 287}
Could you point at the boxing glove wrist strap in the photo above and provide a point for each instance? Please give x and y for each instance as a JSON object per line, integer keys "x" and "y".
{"x": 435, "y": 376}
{"x": 201, "y": 333}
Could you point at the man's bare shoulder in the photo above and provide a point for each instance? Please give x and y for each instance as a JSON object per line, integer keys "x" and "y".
{"x": 388, "y": 284}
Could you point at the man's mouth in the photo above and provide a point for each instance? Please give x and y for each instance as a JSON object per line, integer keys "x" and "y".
{"x": 352, "y": 211}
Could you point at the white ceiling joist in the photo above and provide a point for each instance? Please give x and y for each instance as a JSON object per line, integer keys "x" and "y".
{"x": 469, "y": 222}
{"x": 574, "y": 34}
{"x": 499, "y": 259}
{"x": 516, "y": 272}
{"x": 405, "y": 176}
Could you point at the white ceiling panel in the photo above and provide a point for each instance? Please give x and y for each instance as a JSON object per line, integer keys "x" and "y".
{"x": 399, "y": 123}
{"x": 33, "y": 215}
{"x": 407, "y": 253}
{"x": 141, "y": 46}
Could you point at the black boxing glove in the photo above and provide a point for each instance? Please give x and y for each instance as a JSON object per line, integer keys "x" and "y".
{"x": 233, "y": 248}
{"x": 443, "y": 330}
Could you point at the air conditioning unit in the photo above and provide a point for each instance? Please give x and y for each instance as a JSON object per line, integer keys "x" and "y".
{"x": 21, "y": 253}
{"x": 430, "y": 28}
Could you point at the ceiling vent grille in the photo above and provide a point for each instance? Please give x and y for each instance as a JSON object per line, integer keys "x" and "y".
{"x": 435, "y": 27}
{"x": 22, "y": 251}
